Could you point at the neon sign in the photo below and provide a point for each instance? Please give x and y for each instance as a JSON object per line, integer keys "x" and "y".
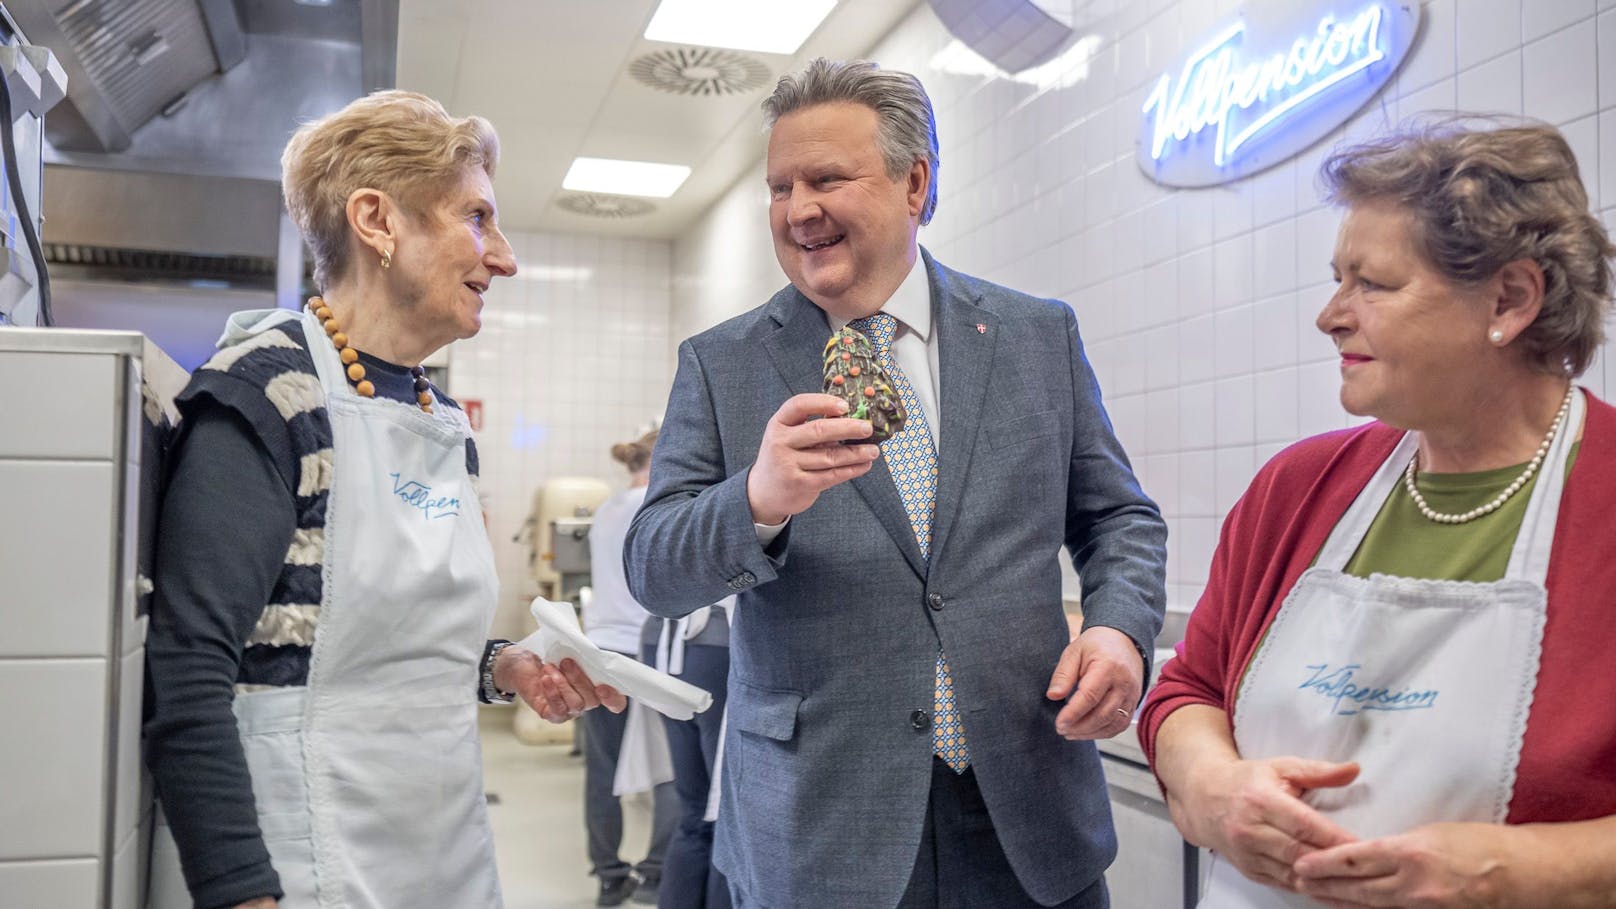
{"x": 1242, "y": 102}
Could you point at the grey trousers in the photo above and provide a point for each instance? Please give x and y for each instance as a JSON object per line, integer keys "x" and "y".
{"x": 603, "y": 813}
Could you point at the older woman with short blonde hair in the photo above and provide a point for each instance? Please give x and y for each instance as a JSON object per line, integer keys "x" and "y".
{"x": 1390, "y": 693}
{"x": 324, "y": 579}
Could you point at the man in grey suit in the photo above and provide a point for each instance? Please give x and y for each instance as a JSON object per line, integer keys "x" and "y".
{"x": 909, "y": 716}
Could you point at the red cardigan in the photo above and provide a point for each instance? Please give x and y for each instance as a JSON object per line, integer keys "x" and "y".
{"x": 1568, "y": 759}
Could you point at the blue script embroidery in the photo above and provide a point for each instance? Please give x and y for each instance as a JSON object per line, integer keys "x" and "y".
{"x": 1337, "y": 684}
{"x": 419, "y": 495}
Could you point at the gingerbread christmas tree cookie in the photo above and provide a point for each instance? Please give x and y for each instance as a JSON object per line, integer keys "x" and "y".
{"x": 852, "y": 374}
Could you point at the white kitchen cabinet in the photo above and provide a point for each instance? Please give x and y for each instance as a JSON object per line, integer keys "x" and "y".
{"x": 81, "y": 427}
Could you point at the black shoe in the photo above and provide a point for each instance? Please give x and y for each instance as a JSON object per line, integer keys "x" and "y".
{"x": 614, "y": 891}
{"x": 646, "y": 892}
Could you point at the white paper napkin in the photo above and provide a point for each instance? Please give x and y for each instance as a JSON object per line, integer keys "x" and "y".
{"x": 559, "y": 638}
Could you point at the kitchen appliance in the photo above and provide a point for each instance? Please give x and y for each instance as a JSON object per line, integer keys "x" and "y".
{"x": 31, "y": 83}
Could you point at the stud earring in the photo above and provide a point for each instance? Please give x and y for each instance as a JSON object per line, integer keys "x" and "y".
{"x": 1497, "y": 337}
{"x": 387, "y": 259}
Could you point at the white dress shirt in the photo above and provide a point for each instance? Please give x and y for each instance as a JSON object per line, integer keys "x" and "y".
{"x": 914, "y": 348}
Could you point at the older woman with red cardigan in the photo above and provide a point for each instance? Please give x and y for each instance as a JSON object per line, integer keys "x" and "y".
{"x": 1390, "y": 693}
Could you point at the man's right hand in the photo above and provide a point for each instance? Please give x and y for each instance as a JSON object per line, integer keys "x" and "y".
{"x": 1251, "y": 813}
{"x": 802, "y": 457}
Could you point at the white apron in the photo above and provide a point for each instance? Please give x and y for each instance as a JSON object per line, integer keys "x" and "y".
{"x": 369, "y": 781}
{"x": 1426, "y": 684}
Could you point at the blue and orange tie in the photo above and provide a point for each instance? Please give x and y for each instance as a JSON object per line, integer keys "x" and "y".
{"x": 912, "y": 461}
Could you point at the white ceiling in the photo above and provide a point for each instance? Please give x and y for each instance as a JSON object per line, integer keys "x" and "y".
{"x": 553, "y": 77}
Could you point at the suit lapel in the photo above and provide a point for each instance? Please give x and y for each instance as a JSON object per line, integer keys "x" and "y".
{"x": 966, "y": 338}
{"x": 797, "y": 341}
{"x": 797, "y": 346}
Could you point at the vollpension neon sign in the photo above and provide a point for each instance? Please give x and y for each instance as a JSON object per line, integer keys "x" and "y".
{"x": 1232, "y": 111}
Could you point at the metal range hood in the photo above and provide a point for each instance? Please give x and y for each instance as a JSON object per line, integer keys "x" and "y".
{"x": 126, "y": 60}
{"x": 131, "y": 225}
{"x": 162, "y": 165}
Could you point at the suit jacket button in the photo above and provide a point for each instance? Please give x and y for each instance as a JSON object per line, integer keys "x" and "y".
{"x": 935, "y": 601}
{"x": 919, "y": 720}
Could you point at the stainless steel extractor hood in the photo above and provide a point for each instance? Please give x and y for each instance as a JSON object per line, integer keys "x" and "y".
{"x": 163, "y": 162}
{"x": 126, "y": 60}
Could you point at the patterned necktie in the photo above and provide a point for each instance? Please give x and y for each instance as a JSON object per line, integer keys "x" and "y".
{"x": 912, "y": 461}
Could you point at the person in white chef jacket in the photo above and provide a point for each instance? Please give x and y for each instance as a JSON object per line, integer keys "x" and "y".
{"x": 324, "y": 580}
{"x": 613, "y": 621}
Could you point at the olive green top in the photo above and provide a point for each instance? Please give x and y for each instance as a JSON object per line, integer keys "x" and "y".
{"x": 1405, "y": 543}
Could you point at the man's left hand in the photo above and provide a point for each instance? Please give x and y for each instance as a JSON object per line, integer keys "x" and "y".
{"x": 1431, "y": 866}
{"x": 1104, "y": 667}
{"x": 557, "y": 693}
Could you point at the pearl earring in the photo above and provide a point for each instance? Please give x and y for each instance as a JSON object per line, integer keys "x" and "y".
{"x": 1497, "y": 337}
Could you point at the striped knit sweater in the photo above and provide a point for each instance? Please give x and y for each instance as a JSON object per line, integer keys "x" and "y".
{"x": 278, "y": 363}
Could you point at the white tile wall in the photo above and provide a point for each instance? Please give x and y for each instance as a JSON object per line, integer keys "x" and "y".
{"x": 1218, "y": 300}
{"x": 1559, "y": 69}
{"x": 1487, "y": 30}
{"x": 573, "y": 356}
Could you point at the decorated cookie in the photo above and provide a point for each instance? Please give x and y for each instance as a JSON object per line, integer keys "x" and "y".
{"x": 852, "y": 374}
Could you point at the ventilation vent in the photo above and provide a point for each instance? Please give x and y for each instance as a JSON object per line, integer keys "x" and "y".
{"x": 601, "y": 205}
{"x": 140, "y": 265}
{"x": 139, "y": 57}
{"x": 699, "y": 71}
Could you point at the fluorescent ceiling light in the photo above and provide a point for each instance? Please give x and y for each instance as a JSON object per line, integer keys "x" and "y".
{"x": 765, "y": 26}
{"x": 624, "y": 178}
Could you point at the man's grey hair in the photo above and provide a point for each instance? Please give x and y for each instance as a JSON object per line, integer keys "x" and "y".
{"x": 908, "y": 128}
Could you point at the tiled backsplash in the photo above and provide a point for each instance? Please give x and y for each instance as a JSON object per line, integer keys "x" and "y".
{"x": 574, "y": 356}
{"x": 1197, "y": 306}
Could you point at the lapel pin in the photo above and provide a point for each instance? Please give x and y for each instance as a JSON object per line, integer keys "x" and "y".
{"x": 981, "y": 329}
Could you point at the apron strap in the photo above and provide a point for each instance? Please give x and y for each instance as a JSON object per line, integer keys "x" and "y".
{"x": 1529, "y": 559}
{"x": 1350, "y": 530}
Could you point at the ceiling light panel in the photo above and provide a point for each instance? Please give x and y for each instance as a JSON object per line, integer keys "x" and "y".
{"x": 764, "y": 26}
{"x": 624, "y": 178}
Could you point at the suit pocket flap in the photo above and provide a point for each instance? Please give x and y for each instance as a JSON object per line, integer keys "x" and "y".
{"x": 764, "y": 711}
{"x": 1022, "y": 429}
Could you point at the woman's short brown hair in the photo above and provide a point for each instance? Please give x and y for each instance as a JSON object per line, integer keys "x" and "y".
{"x": 402, "y": 143}
{"x": 1484, "y": 196}
{"x": 635, "y": 455}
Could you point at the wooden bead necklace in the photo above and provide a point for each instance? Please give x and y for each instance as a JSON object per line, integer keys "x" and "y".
{"x": 356, "y": 369}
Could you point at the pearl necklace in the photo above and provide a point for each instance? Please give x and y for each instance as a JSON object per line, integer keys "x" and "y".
{"x": 1510, "y": 490}
{"x": 356, "y": 369}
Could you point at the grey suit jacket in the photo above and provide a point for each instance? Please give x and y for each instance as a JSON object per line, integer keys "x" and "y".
{"x": 835, "y": 636}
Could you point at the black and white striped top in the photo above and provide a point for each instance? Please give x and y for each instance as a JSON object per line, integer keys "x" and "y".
{"x": 238, "y": 583}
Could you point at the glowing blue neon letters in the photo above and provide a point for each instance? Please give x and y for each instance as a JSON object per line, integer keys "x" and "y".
{"x": 1226, "y": 95}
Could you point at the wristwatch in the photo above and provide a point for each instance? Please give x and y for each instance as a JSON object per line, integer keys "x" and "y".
{"x": 487, "y": 692}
